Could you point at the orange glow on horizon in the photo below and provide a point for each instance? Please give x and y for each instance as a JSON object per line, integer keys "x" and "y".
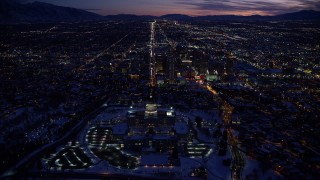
{"x": 187, "y": 12}
{"x": 237, "y": 13}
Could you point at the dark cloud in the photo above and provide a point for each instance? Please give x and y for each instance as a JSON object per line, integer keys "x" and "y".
{"x": 312, "y": 4}
{"x": 17, "y": 1}
{"x": 270, "y": 7}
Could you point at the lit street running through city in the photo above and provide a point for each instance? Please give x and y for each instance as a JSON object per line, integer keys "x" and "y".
{"x": 237, "y": 157}
{"x": 152, "y": 66}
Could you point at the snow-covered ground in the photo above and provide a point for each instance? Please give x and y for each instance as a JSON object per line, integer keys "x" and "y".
{"x": 255, "y": 170}
{"x": 181, "y": 128}
{"x": 35, "y": 124}
{"x": 47, "y": 130}
{"x": 154, "y": 159}
{"x": 217, "y": 167}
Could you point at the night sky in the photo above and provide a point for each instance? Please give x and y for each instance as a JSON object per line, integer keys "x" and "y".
{"x": 190, "y": 7}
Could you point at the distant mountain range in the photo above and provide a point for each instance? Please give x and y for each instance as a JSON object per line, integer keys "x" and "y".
{"x": 301, "y": 15}
{"x": 13, "y": 12}
{"x": 38, "y": 12}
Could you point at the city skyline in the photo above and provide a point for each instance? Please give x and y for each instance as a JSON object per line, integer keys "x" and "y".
{"x": 189, "y": 92}
{"x": 189, "y": 7}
